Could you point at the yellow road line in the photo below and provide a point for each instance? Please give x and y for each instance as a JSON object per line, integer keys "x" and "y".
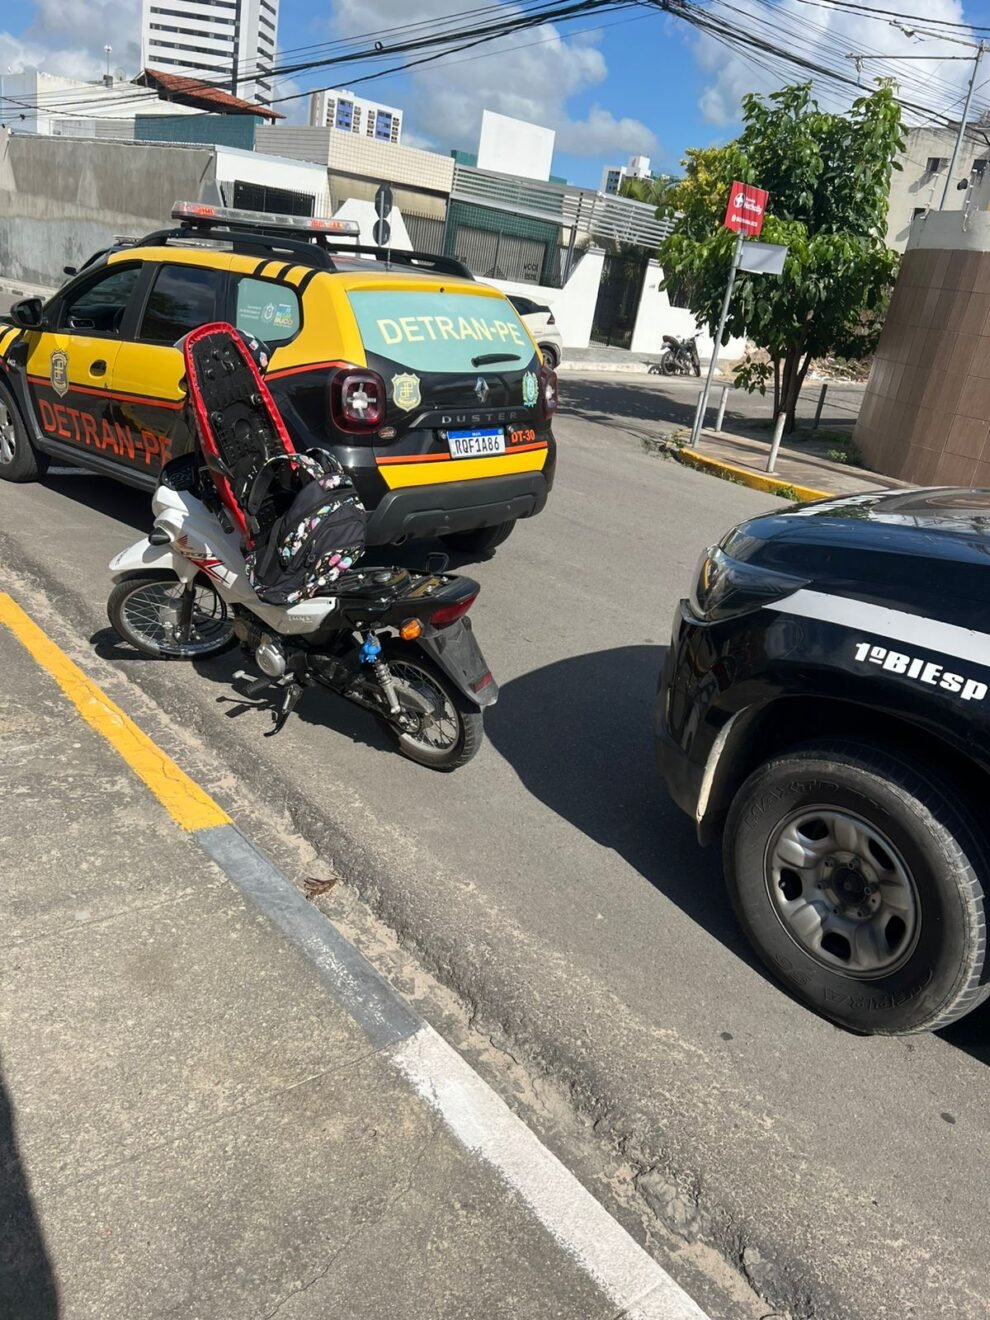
{"x": 181, "y": 797}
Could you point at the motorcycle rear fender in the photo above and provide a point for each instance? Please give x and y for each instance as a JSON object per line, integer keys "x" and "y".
{"x": 459, "y": 656}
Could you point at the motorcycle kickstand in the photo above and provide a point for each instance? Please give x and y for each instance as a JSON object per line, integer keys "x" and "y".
{"x": 289, "y": 702}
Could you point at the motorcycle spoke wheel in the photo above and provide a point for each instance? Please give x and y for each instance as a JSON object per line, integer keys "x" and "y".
{"x": 146, "y": 613}
{"x": 451, "y": 731}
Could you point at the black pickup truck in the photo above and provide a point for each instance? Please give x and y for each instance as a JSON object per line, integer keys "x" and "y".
{"x": 825, "y": 708}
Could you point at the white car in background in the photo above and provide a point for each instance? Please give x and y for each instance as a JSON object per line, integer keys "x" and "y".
{"x": 539, "y": 321}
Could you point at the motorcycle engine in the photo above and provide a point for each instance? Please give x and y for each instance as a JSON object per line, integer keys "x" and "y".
{"x": 268, "y": 650}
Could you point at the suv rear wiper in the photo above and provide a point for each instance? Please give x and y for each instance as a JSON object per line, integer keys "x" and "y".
{"x": 487, "y": 358}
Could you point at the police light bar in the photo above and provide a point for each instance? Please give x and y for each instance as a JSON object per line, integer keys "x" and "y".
{"x": 232, "y": 215}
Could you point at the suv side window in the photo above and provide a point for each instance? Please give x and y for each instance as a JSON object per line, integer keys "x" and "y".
{"x": 271, "y": 312}
{"x": 524, "y": 306}
{"x": 99, "y": 307}
{"x": 181, "y": 299}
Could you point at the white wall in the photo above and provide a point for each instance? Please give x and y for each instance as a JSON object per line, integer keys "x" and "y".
{"x": 275, "y": 172}
{"x": 364, "y": 213}
{"x": 657, "y": 318}
{"x": 573, "y": 306}
{"x": 512, "y": 146}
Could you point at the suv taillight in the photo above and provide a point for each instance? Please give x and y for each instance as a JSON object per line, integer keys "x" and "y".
{"x": 548, "y": 391}
{"x": 357, "y": 400}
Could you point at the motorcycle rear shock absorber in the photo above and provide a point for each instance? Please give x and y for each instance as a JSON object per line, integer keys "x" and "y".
{"x": 371, "y": 654}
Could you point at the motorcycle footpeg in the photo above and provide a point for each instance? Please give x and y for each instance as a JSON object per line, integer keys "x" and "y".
{"x": 253, "y": 685}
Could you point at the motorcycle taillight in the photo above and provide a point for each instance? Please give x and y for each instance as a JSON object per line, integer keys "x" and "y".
{"x": 548, "y": 391}
{"x": 449, "y": 614}
{"x": 357, "y": 400}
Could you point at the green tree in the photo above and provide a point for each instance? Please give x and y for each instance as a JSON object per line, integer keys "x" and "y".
{"x": 655, "y": 191}
{"x": 828, "y": 176}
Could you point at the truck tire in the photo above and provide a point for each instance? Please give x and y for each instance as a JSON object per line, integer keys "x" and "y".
{"x": 859, "y": 879}
{"x": 19, "y": 460}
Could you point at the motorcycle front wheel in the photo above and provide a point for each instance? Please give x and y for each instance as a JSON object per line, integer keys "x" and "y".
{"x": 149, "y": 612}
{"x": 450, "y": 729}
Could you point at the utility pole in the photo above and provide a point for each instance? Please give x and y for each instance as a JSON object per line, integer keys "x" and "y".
{"x": 699, "y": 416}
{"x": 962, "y": 125}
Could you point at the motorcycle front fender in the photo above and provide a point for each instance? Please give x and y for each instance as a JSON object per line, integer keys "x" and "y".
{"x": 143, "y": 557}
{"x": 457, "y": 653}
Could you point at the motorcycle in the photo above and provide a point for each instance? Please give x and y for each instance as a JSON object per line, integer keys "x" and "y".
{"x": 679, "y": 358}
{"x": 395, "y": 642}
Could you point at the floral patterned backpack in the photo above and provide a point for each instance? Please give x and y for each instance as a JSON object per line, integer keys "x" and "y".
{"x": 317, "y": 538}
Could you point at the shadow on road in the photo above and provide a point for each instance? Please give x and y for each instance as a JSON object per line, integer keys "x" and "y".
{"x": 27, "y": 1281}
{"x": 103, "y": 495}
{"x": 578, "y": 734}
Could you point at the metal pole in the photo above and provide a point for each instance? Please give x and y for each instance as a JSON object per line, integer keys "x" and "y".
{"x": 962, "y": 126}
{"x": 821, "y": 405}
{"x": 703, "y": 400}
{"x": 778, "y": 432}
{"x": 721, "y": 408}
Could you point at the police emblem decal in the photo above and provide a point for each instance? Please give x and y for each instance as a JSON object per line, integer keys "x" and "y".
{"x": 59, "y": 372}
{"x": 530, "y": 389}
{"x": 405, "y": 391}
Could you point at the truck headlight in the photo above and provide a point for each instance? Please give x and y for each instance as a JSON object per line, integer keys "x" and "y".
{"x": 724, "y": 586}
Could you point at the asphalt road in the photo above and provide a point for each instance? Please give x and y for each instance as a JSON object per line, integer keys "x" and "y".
{"x": 555, "y": 888}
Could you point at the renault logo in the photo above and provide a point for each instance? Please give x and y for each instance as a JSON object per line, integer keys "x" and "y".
{"x": 481, "y": 389}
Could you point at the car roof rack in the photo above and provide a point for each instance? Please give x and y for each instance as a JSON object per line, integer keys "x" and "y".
{"x": 247, "y": 242}
{"x": 427, "y": 261}
{"x": 310, "y": 239}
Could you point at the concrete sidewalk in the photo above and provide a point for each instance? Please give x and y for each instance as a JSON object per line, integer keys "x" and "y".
{"x": 795, "y": 466}
{"x": 192, "y": 1125}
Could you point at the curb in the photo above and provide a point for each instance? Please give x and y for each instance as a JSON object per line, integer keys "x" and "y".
{"x": 746, "y": 477}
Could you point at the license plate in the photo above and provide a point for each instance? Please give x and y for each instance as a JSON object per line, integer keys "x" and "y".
{"x": 476, "y": 444}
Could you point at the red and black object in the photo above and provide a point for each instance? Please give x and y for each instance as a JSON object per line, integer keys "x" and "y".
{"x": 239, "y": 427}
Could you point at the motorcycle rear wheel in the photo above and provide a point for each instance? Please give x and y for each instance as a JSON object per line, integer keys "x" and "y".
{"x": 668, "y": 367}
{"x": 457, "y": 728}
{"x": 145, "y": 612}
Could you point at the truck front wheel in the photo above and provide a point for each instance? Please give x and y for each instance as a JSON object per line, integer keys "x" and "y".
{"x": 859, "y": 879}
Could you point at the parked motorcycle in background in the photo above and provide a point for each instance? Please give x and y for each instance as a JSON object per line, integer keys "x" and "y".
{"x": 679, "y": 358}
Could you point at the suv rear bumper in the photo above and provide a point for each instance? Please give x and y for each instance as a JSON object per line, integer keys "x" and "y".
{"x": 456, "y": 506}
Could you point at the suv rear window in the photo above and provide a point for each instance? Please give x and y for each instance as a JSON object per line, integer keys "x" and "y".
{"x": 433, "y": 331}
{"x": 269, "y": 311}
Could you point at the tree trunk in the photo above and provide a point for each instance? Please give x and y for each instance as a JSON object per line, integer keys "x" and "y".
{"x": 776, "y": 387}
{"x": 795, "y": 370}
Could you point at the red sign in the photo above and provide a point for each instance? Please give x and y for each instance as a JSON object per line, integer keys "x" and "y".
{"x": 746, "y": 209}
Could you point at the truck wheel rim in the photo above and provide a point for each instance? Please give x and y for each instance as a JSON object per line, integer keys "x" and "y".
{"x": 842, "y": 892}
{"x": 7, "y": 438}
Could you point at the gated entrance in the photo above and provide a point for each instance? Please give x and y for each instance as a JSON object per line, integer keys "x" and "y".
{"x": 618, "y": 297}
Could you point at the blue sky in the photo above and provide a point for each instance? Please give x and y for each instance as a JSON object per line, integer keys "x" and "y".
{"x": 610, "y": 85}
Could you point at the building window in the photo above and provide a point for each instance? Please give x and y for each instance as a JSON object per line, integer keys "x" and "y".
{"x": 979, "y": 166}
{"x": 271, "y": 8}
{"x": 936, "y": 164}
{"x": 919, "y": 210}
{"x": 259, "y": 197}
{"x": 383, "y": 126}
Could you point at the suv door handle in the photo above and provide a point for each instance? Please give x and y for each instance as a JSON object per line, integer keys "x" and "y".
{"x": 98, "y": 368}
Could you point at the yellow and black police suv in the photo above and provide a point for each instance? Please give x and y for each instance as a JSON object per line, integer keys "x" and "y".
{"x": 426, "y": 385}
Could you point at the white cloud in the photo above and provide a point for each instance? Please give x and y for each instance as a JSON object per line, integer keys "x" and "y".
{"x": 531, "y": 75}
{"x": 67, "y": 37}
{"x": 829, "y": 37}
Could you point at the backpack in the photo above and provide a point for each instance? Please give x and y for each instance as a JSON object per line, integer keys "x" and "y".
{"x": 318, "y": 537}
